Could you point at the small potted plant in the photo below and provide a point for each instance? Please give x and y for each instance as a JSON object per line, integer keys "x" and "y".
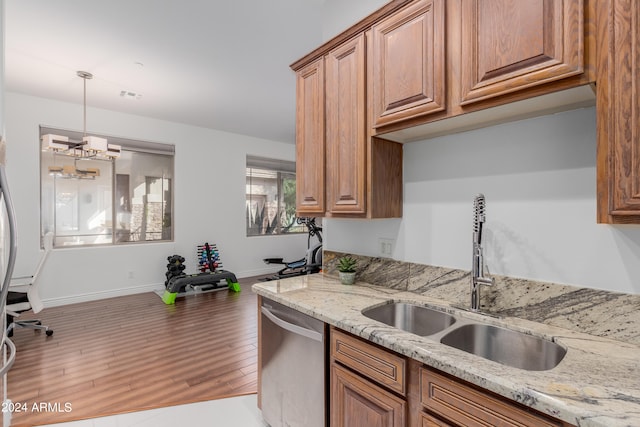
{"x": 347, "y": 270}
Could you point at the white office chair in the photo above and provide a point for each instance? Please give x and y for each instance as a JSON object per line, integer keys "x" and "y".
{"x": 23, "y": 296}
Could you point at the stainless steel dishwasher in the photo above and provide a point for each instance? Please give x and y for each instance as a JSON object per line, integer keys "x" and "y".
{"x": 293, "y": 367}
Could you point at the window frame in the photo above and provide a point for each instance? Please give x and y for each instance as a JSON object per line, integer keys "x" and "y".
{"x": 279, "y": 167}
{"x": 127, "y": 144}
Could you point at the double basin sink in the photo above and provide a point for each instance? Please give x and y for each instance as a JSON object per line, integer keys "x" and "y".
{"x": 505, "y": 346}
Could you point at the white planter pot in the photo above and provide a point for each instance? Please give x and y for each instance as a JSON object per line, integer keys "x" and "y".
{"x": 347, "y": 278}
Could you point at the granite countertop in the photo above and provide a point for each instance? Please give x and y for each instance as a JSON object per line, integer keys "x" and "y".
{"x": 597, "y": 384}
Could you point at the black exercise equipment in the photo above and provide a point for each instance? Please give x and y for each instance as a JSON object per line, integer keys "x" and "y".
{"x": 208, "y": 259}
{"x": 311, "y": 263}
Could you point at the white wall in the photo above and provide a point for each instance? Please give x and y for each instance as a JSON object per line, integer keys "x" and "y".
{"x": 209, "y": 202}
{"x": 338, "y": 15}
{"x": 2, "y": 43}
{"x": 539, "y": 180}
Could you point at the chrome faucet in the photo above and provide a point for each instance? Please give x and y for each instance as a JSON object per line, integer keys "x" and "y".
{"x": 477, "y": 267}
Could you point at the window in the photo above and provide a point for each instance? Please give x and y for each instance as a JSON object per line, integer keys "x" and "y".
{"x": 271, "y": 197}
{"x": 143, "y": 197}
{"x": 94, "y": 201}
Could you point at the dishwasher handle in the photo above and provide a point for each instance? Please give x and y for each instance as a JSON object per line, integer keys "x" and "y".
{"x": 298, "y": 330}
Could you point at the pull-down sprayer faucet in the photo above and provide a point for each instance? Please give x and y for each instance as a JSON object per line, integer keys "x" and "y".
{"x": 477, "y": 267}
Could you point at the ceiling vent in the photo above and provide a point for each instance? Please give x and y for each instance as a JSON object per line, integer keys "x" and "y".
{"x": 129, "y": 95}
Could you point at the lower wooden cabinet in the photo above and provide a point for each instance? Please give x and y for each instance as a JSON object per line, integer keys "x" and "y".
{"x": 465, "y": 405}
{"x": 429, "y": 421}
{"x": 377, "y": 364}
{"x": 375, "y": 387}
{"x": 368, "y": 383}
{"x": 358, "y": 402}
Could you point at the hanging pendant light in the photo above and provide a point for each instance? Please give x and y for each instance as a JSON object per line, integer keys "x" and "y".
{"x": 90, "y": 146}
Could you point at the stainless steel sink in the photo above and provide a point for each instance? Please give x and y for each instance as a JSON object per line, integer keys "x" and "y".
{"x": 412, "y": 318}
{"x": 504, "y": 346}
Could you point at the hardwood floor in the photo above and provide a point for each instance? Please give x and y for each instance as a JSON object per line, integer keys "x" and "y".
{"x": 134, "y": 352}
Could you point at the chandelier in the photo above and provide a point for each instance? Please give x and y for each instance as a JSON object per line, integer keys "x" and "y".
{"x": 72, "y": 171}
{"x": 90, "y": 146}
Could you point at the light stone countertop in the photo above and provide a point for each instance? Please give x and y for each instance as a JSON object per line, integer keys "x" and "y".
{"x": 597, "y": 384}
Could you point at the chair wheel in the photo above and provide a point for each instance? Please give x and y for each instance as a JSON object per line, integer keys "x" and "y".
{"x": 49, "y": 332}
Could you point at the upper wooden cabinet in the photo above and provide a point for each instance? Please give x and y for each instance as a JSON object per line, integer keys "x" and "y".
{"x": 509, "y": 45}
{"x": 341, "y": 170}
{"x": 534, "y": 55}
{"x": 310, "y": 140}
{"x": 429, "y": 67}
{"x": 408, "y": 63}
{"x": 346, "y": 127}
{"x": 618, "y": 112}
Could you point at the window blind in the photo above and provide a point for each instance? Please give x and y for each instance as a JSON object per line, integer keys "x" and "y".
{"x": 271, "y": 164}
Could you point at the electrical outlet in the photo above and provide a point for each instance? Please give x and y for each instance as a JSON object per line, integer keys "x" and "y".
{"x": 385, "y": 247}
{"x": 130, "y": 275}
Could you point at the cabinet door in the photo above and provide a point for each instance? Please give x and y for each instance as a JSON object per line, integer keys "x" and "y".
{"x": 346, "y": 127}
{"x": 618, "y": 106}
{"x": 310, "y": 140}
{"x": 356, "y": 402}
{"x": 408, "y": 63}
{"x": 508, "y": 45}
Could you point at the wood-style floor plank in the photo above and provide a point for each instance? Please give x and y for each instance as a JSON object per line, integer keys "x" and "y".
{"x": 133, "y": 353}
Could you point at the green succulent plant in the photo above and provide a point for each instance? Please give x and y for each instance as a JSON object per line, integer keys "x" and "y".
{"x": 346, "y": 264}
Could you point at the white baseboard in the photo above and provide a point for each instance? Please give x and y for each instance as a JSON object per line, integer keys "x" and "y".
{"x": 93, "y": 296}
{"x": 260, "y": 271}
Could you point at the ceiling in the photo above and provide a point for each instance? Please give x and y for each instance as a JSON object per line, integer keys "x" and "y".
{"x": 209, "y": 63}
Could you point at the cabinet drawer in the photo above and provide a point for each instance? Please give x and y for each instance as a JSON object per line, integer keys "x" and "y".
{"x": 429, "y": 421}
{"x": 377, "y": 364}
{"x": 467, "y": 406}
